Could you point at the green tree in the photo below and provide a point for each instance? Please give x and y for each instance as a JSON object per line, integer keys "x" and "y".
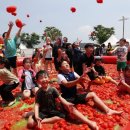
{"x": 30, "y": 40}
{"x": 101, "y": 33}
{"x": 52, "y": 32}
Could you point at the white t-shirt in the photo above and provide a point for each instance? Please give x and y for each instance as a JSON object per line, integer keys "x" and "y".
{"x": 48, "y": 54}
{"x": 121, "y": 52}
{"x": 61, "y": 77}
{"x": 28, "y": 80}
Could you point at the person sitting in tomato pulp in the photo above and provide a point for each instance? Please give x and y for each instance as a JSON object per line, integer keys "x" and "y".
{"x": 68, "y": 81}
{"x": 45, "y": 105}
{"x": 27, "y": 78}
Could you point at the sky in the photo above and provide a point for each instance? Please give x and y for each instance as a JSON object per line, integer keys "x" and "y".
{"x": 72, "y": 25}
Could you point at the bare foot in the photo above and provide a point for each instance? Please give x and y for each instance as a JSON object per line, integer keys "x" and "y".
{"x": 93, "y": 125}
{"x": 27, "y": 114}
{"x": 24, "y": 115}
{"x": 111, "y": 112}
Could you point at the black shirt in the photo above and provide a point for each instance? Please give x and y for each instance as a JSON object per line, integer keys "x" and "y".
{"x": 55, "y": 50}
{"x": 100, "y": 70}
{"x": 88, "y": 60}
{"x": 46, "y": 99}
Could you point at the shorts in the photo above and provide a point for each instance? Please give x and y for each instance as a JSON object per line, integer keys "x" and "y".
{"x": 48, "y": 59}
{"x": 121, "y": 66}
{"x": 50, "y": 114}
{"x": 79, "y": 98}
{"x": 12, "y": 62}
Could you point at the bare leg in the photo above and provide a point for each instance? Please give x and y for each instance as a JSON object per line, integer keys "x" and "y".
{"x": 28, "y": 114}
{"x": 50, "y": 62}
{"x": 46, "y": 65}
{"x": 125, "y": 86}
{"x": 112, "y": 80}
{"x": 32, "y": 123}
{"x": 101, "y": 104}
{"x": 51, "y": 120}
{"x": 82, "y": 118}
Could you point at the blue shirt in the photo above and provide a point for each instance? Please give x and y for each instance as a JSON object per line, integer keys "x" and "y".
{"x": 10, "y": 47}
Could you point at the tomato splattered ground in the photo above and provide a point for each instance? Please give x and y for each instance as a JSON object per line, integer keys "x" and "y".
{"x": 11, "y": 117}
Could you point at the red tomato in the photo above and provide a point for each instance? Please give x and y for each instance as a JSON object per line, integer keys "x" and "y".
{"x": 73, "y": 9}
{"x": 14, "y": 14}
{"x": 11, "y": 9}
{"x": 18, "y": 23}
{"x": 99, "y": 1}
{"x": 105, "y": 125}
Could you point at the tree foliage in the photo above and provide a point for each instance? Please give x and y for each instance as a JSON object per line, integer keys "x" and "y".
{"x": 30, "y": 40}
{"x": 52, "y": 32}
{"x": 101, "y": 33}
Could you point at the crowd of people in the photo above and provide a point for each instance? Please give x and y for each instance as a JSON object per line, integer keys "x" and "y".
{"x": 72, "y": 67}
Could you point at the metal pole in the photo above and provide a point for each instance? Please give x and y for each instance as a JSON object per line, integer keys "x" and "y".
{"x": 123, "y": 20}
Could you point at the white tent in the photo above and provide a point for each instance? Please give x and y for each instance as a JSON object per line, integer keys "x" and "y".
{"x": 113, "y": 40}
{"x": 40, "y": 45}
{"x": 128, "y": 40}
{"x": 22, "y": 46}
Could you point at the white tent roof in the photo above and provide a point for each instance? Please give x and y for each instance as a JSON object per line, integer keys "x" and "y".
{"x": 40, "y": 45}
{"x": 128, "y": 40}
{"x": 113, "y": 40}
{"x": 22, "y": 46}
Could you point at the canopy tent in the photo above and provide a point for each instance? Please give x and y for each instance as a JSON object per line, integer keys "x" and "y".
{"x": 40, "y": 45}
{"x": 22, "y": 46}
{"x": 113, "y": 40}
{"x": 128, "y": 40}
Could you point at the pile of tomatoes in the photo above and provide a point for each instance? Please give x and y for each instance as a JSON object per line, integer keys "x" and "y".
{"x": 108, "y": 92}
